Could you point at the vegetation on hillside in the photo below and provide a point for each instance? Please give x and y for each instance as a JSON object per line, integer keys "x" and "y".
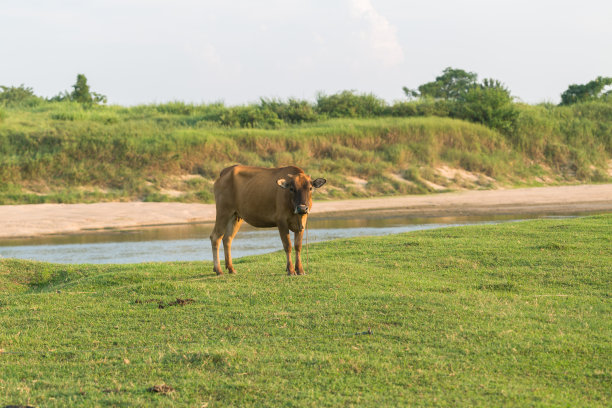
{"x": 516, "y": 314}
{"x": 456, "y": 132}
{"x": 593, "y": 90}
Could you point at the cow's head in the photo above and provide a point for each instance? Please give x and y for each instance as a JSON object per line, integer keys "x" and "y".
{"x": 300, "y": 187}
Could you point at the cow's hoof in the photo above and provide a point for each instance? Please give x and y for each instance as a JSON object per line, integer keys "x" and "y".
{"x": 231, "y": 271}
{"x": 291, "y": 273}
{"x": 218, "y": 271}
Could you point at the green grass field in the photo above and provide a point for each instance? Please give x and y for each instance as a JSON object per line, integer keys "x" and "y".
{"x": 515, "y": 314}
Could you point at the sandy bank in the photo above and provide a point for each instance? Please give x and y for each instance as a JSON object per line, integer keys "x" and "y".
{"x": 43, "y": 219}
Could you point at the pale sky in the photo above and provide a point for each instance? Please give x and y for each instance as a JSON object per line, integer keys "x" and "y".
{"x": 154, "y": 51}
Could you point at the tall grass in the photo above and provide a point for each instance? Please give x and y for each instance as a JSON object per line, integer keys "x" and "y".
{"x": 64, "y": 152}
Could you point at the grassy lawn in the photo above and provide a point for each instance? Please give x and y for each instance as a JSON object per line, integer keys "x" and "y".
{"x": 514, "y": 314}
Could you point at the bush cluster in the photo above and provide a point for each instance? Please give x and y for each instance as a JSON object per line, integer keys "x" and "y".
{"x": 455, "y": 93}
{"x": 18, "y": 96}
{"x": 490, "y": 106}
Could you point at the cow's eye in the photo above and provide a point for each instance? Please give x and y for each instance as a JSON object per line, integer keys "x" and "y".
{"x": 292, "y": 189}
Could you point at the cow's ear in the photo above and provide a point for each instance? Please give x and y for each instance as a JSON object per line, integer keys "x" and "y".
{"x": 282, "y": 183}
{"x": 319, "y": 182}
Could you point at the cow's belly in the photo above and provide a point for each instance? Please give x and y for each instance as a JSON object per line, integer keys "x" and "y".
{"x": 258, "y": 221}
{"x": 261, "y": 224}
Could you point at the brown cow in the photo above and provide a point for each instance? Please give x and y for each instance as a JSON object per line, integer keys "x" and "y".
{"x": 264, "y": 198}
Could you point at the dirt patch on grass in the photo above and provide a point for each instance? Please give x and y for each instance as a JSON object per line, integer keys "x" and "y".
{"x": 18, "y": 406}
{"x": 433, "y": 186}
{"x": 171, "y": 192}
{"x": 186, "y": 177}
{"x": 460, "y": 179}
{"x": 161, "y": 389}
{"x": 357, "y": 183}
{"x": 180, "y": 302}
{"x": 138, "y": 301}
{"x": 162, "y": 305}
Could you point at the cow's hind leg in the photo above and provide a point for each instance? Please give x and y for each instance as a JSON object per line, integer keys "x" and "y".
{"x": 284, "y": 234}
{"x": 215, "y": 239}
{"x": 231, "y": 228}
{"x": 217, "y": 235}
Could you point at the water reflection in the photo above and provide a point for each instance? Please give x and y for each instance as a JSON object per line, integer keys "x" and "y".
{"x": 190, "y": 242}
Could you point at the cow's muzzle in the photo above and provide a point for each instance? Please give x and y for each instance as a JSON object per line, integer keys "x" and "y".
{"x": 301, "y": 209}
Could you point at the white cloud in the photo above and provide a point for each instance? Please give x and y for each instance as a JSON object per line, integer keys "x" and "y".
{"x": 379, "y": 33}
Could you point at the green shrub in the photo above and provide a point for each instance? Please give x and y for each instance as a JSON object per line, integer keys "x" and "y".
{"x": 489, "y": 103}
{"x": 292, "y": 111}
{"x": 403, "y": 109}
{"x": 349, "y": 104}
{"x": 21, "y": 95}
{"x": 251, "y": 116}
{"x": 434, "y": 107}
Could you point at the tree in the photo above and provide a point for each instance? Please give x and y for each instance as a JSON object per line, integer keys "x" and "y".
{"x": 80, "y": 93}
{"x": 459, "y": 95}
{"x": 450, "y": 85}
{"x": 581, "y": 93}
{"x": 411, "y": 93}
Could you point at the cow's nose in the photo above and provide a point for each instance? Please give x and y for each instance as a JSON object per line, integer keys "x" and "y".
{"x": 301, "y": 209}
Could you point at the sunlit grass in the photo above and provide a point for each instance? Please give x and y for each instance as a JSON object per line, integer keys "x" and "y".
{"x": 511, "y": 314}
{"x": 63, "y": 152}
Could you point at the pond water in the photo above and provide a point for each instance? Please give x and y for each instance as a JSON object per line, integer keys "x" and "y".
{"x": 191, "y": 243}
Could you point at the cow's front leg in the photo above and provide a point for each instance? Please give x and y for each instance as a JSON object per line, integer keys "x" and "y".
{"x": 298, "y": 252}
{"x": 284, "y": 234}
{"x": 215, "y": 240}
{"x": 232, "y": 227}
